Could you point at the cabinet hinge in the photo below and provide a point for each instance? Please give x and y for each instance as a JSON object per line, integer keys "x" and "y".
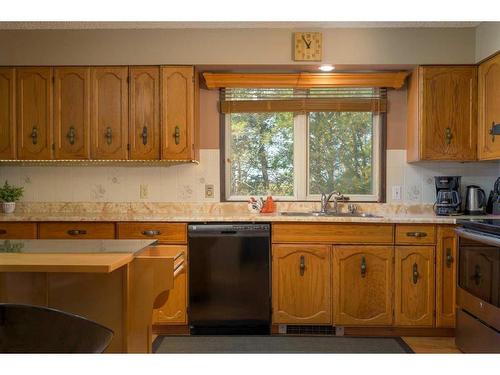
{"x": 128, "y": 146}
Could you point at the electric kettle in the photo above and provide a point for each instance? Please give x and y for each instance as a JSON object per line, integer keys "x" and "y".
{"x": 475, "y": 200}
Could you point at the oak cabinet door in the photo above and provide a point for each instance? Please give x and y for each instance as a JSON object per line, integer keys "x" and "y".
{"x": 442, "y": 113}
{"x": 7, "y": 114}
{"x": 446, "y": 277}
{"x": 363, "y": 279}
{"x": 414, "y": 296}
{"x": 177, "y": 112}
{"x": 489, "y": 107}
{"x": 109, "y": 113}
{"x": 34, "y": 113}
{"x": 449, "y": 124}
{"x": 301, "y": 284}
{"x": 144, "y": 113}
{"x": 72, "y": 113}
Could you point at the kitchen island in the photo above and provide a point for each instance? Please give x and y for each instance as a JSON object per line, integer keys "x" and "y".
{"x": 116, "y": 283}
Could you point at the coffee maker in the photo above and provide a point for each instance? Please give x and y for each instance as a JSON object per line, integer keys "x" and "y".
{"x": 448, "y": 199}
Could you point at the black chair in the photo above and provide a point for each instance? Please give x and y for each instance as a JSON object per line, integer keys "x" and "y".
{"x": 35, "y": 329}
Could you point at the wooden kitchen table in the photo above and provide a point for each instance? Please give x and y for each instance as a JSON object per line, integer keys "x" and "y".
{"x": 116, "y": 283}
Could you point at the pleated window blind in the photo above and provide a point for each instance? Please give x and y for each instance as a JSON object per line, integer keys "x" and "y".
{"x": 337, "y": 99}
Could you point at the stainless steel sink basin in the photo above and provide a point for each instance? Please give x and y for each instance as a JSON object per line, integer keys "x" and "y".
{"x": 327, "y": 214}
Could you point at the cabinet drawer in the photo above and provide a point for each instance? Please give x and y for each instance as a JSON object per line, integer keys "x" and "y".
{"x": 77, "y": 230}
{"x": 163, "y": 232}
{"x": 415, "y": 234}
{"x": 332, "y": 233}
{"x": 17, "y": 231}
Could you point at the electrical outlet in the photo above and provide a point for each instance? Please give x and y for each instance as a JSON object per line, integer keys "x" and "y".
{"x": 209, "y": 191}
{"x": 396, "y": 193}
{"x": 144, "y": 191}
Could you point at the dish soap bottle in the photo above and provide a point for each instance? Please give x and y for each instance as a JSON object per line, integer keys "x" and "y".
{"x": 269, "y": 205}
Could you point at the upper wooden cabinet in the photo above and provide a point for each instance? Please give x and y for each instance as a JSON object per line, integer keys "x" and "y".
{"x": 446, "y": 276}
{"x": 362, "y": 282}
{"x": 72, "y": 113}
{"x": 442, "y": 113}
{"x": 489, "y": 108}
{"x": 178, "y": 114}
{"x": 144, "y": 113}
{"x": 301, "y": 284}
{"x": 414, "y": 295}
{"x": 109, "y": 113}
{"x": 7, "y": 114}
{"x": 34, "y": 113}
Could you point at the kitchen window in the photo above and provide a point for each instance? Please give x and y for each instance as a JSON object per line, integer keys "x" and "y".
{"x": 300, "y": 153}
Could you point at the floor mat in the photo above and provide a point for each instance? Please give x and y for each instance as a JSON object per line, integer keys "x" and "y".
{"x": 279, "y": 344}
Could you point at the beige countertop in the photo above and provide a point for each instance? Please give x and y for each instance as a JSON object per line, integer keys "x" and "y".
{"x": 244, "y": 217}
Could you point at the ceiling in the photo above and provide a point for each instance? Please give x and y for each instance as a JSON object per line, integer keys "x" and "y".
{"x": 226, "y": 25}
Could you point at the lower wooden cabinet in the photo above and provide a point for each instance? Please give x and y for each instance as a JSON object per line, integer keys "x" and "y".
{"x": 362, "y": 279}
{"x": 174, "y": 310}
{"x": 446, "y": 279}
{"x": 301, "y": 284}
{"x": 414, "y": 292}
{"x": 20, "y": 231}
{"x": 76, "y": 230}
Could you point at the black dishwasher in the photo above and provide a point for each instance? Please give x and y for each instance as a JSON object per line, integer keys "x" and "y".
{"x": 229, "y": 273}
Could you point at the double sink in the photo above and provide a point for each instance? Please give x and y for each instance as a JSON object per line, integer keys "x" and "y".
{"x": 327, "y": 214}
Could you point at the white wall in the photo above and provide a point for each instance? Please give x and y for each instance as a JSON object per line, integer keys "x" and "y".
{"x": 417, "y": 179}
{"x": 487, "y": 39}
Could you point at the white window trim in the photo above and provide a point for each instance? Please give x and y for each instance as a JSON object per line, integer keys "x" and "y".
{"x": 301, "y": 163}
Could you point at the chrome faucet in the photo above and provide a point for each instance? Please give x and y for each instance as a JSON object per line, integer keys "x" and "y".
{"x": 336, "y": 198}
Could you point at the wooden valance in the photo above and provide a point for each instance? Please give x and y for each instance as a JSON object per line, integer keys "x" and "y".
{"x": 393, "y": 80}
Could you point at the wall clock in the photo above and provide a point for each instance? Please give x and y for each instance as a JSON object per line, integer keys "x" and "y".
{"x": 308, "y": 46}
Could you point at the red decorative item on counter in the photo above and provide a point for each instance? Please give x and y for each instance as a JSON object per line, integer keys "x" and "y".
{"x": 269, "y": 206}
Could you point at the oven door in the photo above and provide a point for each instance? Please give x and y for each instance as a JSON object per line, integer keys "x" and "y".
{"x": 478, "y": 291}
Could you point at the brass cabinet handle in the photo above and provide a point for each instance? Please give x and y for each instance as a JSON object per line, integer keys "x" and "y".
{"x": 477, "y": 274}
{"x": 144, "y": 135}
{"x": 177, "y": 135}
{"x": 448, "y": 135}
{"x": 3, "y": 231}
{"x": 415, "y": 273}
{"x": 76, "y": 232}
{"x": 34, "y": 135}
{"x": 302, "y": 266}
{"x": 449, "y": 258}
{"x": 151, "y": 233}
{"x": 363, "y": 266}
{"x": 416, "y": 234}
{"x": 109, "y": 135}
{"x": 71, "y": 135}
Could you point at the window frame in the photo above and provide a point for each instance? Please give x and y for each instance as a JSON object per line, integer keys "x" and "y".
{"x": 301, "y": 162}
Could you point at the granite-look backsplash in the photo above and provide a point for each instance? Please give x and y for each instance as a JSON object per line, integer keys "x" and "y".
{"x": 186, "y": 182}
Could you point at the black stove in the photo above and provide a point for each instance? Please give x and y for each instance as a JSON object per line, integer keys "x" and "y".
{"x": 490, "y": 226}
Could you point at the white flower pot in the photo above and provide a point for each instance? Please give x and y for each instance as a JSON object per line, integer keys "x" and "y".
{"x": 8, "y": 207}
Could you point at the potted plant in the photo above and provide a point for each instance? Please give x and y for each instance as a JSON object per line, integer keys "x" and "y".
{"x": 9, "y": 195}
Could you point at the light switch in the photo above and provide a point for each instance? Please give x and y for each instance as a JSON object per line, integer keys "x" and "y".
{"x": 396, "y": 192}
{"x": 209, "y": 191}
{"x": 144, "y": 191}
